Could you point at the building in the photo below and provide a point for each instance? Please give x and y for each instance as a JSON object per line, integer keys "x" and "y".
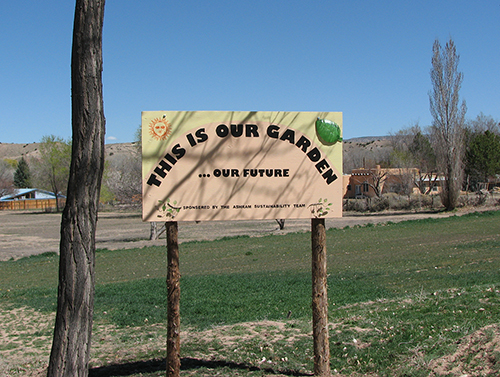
{"x": 30, "y": 198}
{"x": 368, "y": 183}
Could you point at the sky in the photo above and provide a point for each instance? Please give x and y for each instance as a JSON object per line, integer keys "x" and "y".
{"x": 370, "y": 60}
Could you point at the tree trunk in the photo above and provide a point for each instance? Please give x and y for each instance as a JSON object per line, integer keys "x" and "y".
{"x": 173, "y": 301}
{"x": 75, "y": 300}
{"x": 320, "y": 299}
{"x": 153, "y": 231}
{"x": 281, "y": 223}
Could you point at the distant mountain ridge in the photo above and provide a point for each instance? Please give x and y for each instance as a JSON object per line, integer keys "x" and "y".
{"x": 365, "y": 139}
{"x": 357, "y": 152}
{"x": 15, "y": 151}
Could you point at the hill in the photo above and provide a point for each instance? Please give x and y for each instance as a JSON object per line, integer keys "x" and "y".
{"x": 11, "y": 151}
{"x": 358, "y": 152}
{"x": 366, "y": 151}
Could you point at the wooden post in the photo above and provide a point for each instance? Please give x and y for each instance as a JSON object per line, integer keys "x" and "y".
{"x": 174, "y": 294}
{"x": 320, "y": 299}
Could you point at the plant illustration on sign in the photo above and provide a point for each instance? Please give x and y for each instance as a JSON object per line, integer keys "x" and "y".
{"x": 168, "y": 210}
{"x": 328, "y": 131}
{"x": 320, "y": 209}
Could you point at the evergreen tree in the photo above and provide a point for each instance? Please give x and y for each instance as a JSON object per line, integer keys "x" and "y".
{"x": 482, "y": 158}
{"x": 22, "y": 175}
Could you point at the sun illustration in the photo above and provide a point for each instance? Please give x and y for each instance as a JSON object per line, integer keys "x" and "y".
{"x": 160, "y": 128}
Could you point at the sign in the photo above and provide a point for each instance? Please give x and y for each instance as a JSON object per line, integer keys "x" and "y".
{"x": 236, "y": 165}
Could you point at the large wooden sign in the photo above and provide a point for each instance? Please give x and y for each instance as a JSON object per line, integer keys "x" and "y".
{"x": 233, "y": 165}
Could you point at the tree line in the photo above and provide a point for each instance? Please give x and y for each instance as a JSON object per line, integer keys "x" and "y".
{"x": 416, "y": 147}
{"x": 456, "y": 153}
{"x": 50, "y": 171}
{"x": 412, "y": 147}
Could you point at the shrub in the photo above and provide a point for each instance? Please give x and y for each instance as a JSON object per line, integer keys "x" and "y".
{"x": 419, "y": 201}
{"x": 379, "y": 204}
{"x": 393, "y": 202}
{"x": 398, "y": 202}
{"x": 475, "y": 200}
{"x": 356, "y": 205}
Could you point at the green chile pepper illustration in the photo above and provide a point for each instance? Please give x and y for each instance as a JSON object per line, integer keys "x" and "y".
{"x": 328, "y": 131}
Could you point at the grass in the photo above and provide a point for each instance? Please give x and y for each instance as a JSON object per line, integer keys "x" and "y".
{"x": 400, "y": 295}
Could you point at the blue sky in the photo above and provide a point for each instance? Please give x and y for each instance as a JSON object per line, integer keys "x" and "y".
{"x": 367, "y": 59}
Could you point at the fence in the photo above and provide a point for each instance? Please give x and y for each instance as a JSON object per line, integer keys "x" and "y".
{"x": 43, "y": 204}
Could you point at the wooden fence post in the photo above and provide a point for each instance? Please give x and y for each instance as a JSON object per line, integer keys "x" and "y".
{"x": 174, "y": 293}
{"x": 320, "y": 299}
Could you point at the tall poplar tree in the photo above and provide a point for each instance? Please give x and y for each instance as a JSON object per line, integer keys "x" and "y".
{"x": 448, "y": 123}
{"x": 75, "y": 299}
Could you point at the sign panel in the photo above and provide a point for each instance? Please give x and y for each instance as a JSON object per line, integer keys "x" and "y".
{"x": 236, "y": 165}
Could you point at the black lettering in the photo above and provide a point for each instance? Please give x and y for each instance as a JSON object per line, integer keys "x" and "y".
{"x": 222, "y": 130}
{"x": 251, "y": 130}
{"x": 201, "y": 135}
{"x": 272, "y": 131}
{"x": 314, "y": 154}
{"x": 235, "y": 173}
{"x": 329, "y": 176}
{"x": 170, "y": 159}
{"x": 288, "y": 135}
{"x": 191, "y": 140}
{"x": 217, "y": 173}
{"x": 178, "y": 151}
{"x": 303, "y": 143}
{"x": 160, "y": 169}
{"x": 285, "y": 172}
{"x": 153, "y": 181}
{"x": 236, "y": 130}
{"x": 322, "y": 165}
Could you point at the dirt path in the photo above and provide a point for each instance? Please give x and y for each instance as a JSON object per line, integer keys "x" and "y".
{"x": 28, "y": 233}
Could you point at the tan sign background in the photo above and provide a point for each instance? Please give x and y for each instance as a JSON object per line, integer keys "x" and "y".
{"x": 208, "y": 165}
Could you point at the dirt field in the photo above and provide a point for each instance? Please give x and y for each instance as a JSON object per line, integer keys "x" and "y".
{"x": 28, "y": 233}
{"x": 25, "y": 233}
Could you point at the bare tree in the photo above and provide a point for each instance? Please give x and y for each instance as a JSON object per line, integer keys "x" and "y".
{"x": 52, "y": 168}
{"x": 483, "y": 123}
{"x": 123, "y": 178}
{"x": 364, "y": 155}
{"x": 6, "y": 178}
{"x": 75, "y": 299}
{"x": 448, "y": 116}
{"x": 413, "y": 153}
{"x": 377, "y": 179}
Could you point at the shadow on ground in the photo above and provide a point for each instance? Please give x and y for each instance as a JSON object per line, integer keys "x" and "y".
{"x": 187, "y": 363}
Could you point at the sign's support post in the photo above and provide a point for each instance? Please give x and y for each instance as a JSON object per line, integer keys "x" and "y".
{"x": 320, "y": 299}
{"x": 174, "y": 294}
